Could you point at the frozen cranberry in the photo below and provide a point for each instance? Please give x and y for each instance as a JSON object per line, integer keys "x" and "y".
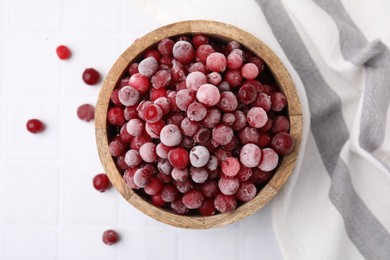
{"x": 235, "y": 60}
{"x": 178, "y": 157}
{"x": 188, "y": 127}
{"x": 257, "y": 117}
{"x": 140, "y": 83}
{"x": 63, "y": 52}
{"x": 195, "y": 79}
{"x": 110, "y": 237}
{"x": 233, "y": 144}
{"x": 128, "y": 96}
{"x": 282, "y": 143}
{"x": 264, "y": 139}
{"x": 165, "y": 46}
{"x": 139, "y": 140}
{"x": 154, "y": 187}
{"x": 240, "y": 120}
{"x": 225, "y": 203}
{"x": 142, "y": 177}
{"x": 259, "y": 176}
{"x": 178, "y": 206}
{"x": 246, "y": 192}
{"x": 202, "y": 135}
{"x": 184, "y": 186}
{"x": 135, "y": 127}
{"x": 162, "y": 150}
{"x": 132, "y": 158}
{"x": 183, "y": 52}
{"x": 214, "y": 78}
{"x": 209, "y": 188}
{"x": 180, "y": 174}
{"x": 228, "y": 102}
{"x": 130, "y": 112}
{"x": 164, "y": 104}
{"x": 178, "y": 73}
{"x": 250, "y": 155}
{"x": 115, "y": 97}
{"x": 249, "y": 71}
{"x": 233, "y": 77}
{"x": 280, "y": 124}
{"x": 91, "y": 76}
{"x": 207, "y": 208}
{"x": 116, "y": 148}
{"x": 222, "y": 154}
{"x": 170, "y": 135}
{"x": 86, "y": 112}
{"x": 154, "y": 129}
{"x": 164, "y": 166}
{"x": 199, "y": 156}
{"x": 169, "y": 193}
{"x": 128, "y": 177}
{"x": 101, "y": 182}
{"x": 212, "y": 118}
{"x": 196, "y": 111}
{"x": 148, "y": 152}
{"x": 165, "y": 178}
{"x": 222, "y": 134}
{"x": 153, "y": 53}
{"x": 161, "y": 79}
{"x": 157, "y": 200}
{"x": 199, "y": 175}
{"x": 228, "y": 119}
{"x": 115, "y": 116}
{"x": 258, "y": 62}
{"x": 193, "y": 199}
{"x": 228, "y": 185}
{"x": 152, "y": 113}
{"x": 35, "y": 126}
{"x": 247, "y": 94}
{"x": 199, "y": 39}
{"x": 197, "y": 66}
{"x": 175, "y": 118}
{"x": 133, "y": 68}
{"x": 184, "y": 98}
{"x": 244, "y": 173}
{"x": 216, "y": 62}
{"x": 278, "y": 100}
{"x": 148, "y": 67}
{"x": 203, "y": 51}
{"x": 223, "y": 86}
{"x": 264, "y": 101}
{"x": 208, "y": 94}
{"x": 171, "y": 95}
{"x": 269, "y": 160}
{"x": 230, "y": 166}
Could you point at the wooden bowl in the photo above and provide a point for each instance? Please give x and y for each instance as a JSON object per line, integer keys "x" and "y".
{"x": 223, "y": 32}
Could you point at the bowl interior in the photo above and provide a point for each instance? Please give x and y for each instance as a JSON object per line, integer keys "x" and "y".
{"x": 225, "y": 33}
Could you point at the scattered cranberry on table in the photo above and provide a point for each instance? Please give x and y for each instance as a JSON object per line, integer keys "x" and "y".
{"x": 91, "y": 76}
{"x": 35, "y": 126}
{"x": 110, "y": 237}
{"x": 198, "y": 125}
{"x": 101, "y": 182}
{"x": 86, "y": 112}
{"x": 63, "y": 52}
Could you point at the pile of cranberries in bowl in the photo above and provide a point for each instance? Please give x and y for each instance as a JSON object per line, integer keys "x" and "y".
{"x": 198, "y": 125}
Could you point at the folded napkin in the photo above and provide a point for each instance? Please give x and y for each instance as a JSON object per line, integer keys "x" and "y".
{"x": 336, "y": 204}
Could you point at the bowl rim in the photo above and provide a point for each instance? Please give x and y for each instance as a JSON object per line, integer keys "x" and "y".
{"x": 225, "y": 32}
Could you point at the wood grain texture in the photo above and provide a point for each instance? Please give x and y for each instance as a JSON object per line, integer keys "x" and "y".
{"x": 223, "y": 32}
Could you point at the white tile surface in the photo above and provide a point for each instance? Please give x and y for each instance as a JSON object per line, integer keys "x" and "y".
{"x": 85, "y": 243}
{"x": 35, "y": 242}
{"x": 29, "y": 17}
{"x": 31, "y": 67}
{"x": 81, "y": 204}
{"x": 19, "y": 144}
{"x": 100, "y": 16}
{"x": 30, "y": 193}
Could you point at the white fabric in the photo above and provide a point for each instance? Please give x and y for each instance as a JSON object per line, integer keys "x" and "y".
{"x": 307, "y": 223}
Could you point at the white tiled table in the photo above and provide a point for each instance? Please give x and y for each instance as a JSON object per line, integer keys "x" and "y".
{"x": 48, "y": 208}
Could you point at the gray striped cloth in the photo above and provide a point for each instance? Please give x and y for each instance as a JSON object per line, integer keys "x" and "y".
{"x": 336, "y": 205}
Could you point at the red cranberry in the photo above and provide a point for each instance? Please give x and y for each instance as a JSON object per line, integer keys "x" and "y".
{"x": 63, "y": 52}
{"x": 91, "y": 76}
{"x": 86, "y": 112}
{"x": 110, "y": 237}
{"x": 35, "y": 126}
{"x": 101, "y": 182}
